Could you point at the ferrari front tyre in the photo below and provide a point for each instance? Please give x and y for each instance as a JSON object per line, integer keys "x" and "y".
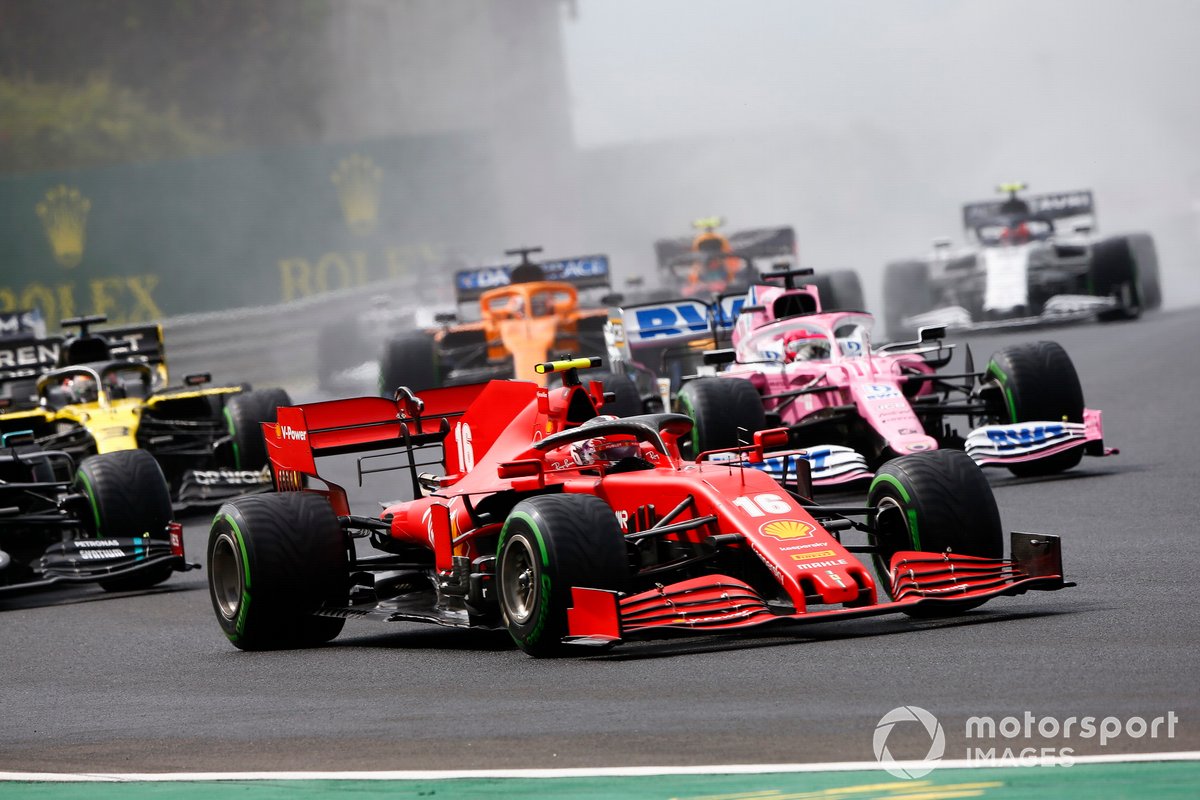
{"x": 720, "y": 407}
{"x": 548, "y": 545}
{"x": 1037, "y": 382}
{"x": 906, "y": 293}
{"x": 244, "y": 415}
{"x": 840, "y": 290}
{"x": 410, "y": 360}
{"x": 627, "y": 400}
{"x": 934, "y": 502}
{"x": 128, "y": 497}
{"x": 273, "y": 561}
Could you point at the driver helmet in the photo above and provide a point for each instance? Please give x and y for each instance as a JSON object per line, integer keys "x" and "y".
{"x": 804, "y": 345}
{"x": 81, "y": 388}
{"x": 1015, "y": 234}
{"x": 713, "y": 267}
{"x": 599, "y": 449}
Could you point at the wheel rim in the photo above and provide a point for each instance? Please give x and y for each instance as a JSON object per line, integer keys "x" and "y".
{"x": 226, "y": 573}
{"x": 518, "y": 580}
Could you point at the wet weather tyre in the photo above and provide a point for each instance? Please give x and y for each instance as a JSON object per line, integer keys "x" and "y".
{"x": 719, "y": 406}
{"x": 273, "y": 560}
{"x": 1037, "y": 382}
{"x": 549, "y": 544}
{"x": 934, "y": 502}
{"x": 244, "y": 415}
{"x": 127, "y": 497}
{"x": 1114, "y": 273}
{"x": 840, "y": 290}
{"x": 906, "y": 293}
{"x": 410, "y": 360}
{"x": 1146, "y": 257}
{"x": 627, "y": 400}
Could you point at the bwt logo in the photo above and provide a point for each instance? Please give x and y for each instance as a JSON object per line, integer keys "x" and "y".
{"x": 670, "y": 320}
{"x": 1009, "y": 438}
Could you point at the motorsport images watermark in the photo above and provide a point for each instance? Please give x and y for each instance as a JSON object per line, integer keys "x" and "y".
{"x": 1023, "y": 740}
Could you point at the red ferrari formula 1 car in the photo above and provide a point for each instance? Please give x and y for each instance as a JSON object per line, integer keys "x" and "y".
{"x": 568, "y": 527}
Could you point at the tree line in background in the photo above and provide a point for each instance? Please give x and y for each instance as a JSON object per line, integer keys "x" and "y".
{"x": 86, "y": 84}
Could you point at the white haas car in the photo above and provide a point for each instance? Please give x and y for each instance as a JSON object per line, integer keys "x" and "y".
{"x": 1028, "y": 260}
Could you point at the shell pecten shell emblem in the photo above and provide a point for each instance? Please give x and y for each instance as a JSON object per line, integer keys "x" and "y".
{"x": 786, "y": 529}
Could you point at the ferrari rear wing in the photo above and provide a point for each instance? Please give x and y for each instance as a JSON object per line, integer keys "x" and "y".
{"x": 752, "y": 244}
{"x": 582, "y": 272}
{"x": 437, "y": 419}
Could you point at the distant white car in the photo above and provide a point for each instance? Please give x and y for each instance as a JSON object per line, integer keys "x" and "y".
{"x": 1028, "y": 260}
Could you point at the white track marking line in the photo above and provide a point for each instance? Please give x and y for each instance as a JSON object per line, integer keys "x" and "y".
{"x": 577, "y": 772}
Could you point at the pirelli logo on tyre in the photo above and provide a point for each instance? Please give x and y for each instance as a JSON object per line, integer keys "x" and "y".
{"x": 786, "y": 529}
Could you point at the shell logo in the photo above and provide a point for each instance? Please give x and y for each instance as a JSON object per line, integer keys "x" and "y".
{"x": 278, "y": 431}
{"x": 786, "y": 529}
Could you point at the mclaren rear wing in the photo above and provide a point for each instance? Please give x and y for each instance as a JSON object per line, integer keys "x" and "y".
{"x": 583, "y": 272}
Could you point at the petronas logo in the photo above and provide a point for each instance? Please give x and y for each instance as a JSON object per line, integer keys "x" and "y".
{"x": 358, "y": 180}
{"x": 64, "y": 214}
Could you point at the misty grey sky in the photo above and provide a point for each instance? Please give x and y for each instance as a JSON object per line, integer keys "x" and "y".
{"x": 900, "y": 110}
{"x": 664, "y": 68}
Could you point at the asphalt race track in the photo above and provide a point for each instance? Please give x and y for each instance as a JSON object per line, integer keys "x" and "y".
{"x": 147, "y": 683}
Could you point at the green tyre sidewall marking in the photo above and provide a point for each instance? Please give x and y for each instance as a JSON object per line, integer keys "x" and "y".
{"x": 87, "y": 487}
{"x": 890, "y": 480}
{"x": 237, "y": 456}
{"x": 994, "y": 369}
{"x": 685, "y": 403}
{"x": 239, "y": 625}
{"x": 539, "y": 624}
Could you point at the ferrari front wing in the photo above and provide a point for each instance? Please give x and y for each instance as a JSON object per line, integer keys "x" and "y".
{"x": 920, "y": 582}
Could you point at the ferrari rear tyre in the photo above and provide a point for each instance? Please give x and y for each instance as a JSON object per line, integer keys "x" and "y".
{"x": 244, "y": 415}
{"x": 274, "y": 560}
{"x": 627, "y": 400}
{"x": 840, "y": 290}
{"x": 1037, "y": 382}
{"x": 128, "y": 497}
{"x": 934, "y": 502}
{"x": 906, "y": 293}
{"x": 409, "y": 360}
{"x": 550, "y": 544}
{"x": 720, "y": 406}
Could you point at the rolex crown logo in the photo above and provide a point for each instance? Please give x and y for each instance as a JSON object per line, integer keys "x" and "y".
{"x": 358, "y": 180}
{"x": 64, "y": 214}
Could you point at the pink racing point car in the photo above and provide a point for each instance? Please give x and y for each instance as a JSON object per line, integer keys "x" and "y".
{"x": 850, "y": 406}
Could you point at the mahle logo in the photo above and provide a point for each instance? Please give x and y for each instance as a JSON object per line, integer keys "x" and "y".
{"x": 358, "y": 181}
{"x": 932, "y": 729}
{"x": 64, "y": 213}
